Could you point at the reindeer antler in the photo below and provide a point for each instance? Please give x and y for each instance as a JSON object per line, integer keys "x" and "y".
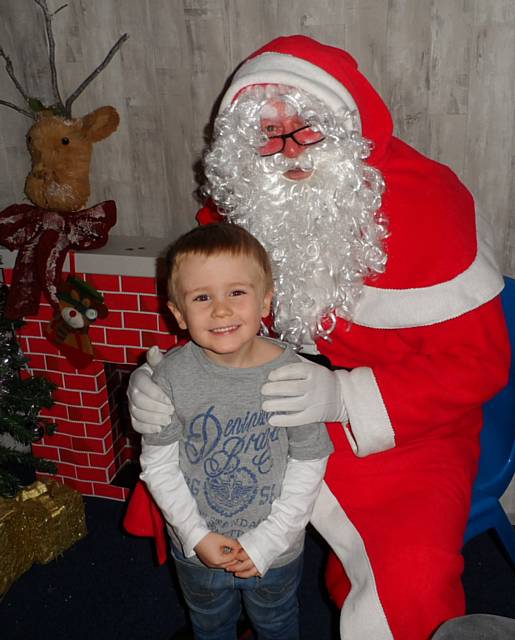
{"x": 10, "y": 71}
{"x": 93, "y": 74}
{"x": 59, "y": 107}
{"x": 51, "y": 49}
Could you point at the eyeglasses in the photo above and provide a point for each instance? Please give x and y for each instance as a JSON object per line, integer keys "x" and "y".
{"x": 304, "y": 136}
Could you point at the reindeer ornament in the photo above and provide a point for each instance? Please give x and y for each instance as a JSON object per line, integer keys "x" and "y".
{"x": 80, "y": 305}
{"x": 58, "y": 186}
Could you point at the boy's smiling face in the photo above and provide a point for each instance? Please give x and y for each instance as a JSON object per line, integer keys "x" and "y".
{"x": 220, "y": 301}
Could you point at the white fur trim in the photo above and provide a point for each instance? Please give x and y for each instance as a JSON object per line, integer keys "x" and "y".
{"x": 280, "y": 68}
{"x": 362, "y": 616}
{"x": 403, "y": 308}
{"x": 371, "y": 430}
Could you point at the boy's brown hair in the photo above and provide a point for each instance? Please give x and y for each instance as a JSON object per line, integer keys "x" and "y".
{"x": 213, "y": 239}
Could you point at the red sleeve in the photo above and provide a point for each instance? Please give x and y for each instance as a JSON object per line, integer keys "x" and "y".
{"x": 447, "y": 373}
{"x": 415, "y": 383}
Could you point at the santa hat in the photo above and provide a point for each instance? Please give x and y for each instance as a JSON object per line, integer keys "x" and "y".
{"x": 425, "y": 282}
{"x": 326, "y": 72}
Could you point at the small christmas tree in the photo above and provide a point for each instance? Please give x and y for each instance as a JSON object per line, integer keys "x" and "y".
{"x": 21, "y": 399}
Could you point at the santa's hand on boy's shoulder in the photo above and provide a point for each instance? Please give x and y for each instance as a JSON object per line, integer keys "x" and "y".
{"x": 150, "y": 408}
{"x": 217, "y": 551}
{"x": 304, "y": 392}
{"x": 154, "y": 356}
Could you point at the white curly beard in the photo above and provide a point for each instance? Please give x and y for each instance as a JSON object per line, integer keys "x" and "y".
{"x": 324, "y": 234}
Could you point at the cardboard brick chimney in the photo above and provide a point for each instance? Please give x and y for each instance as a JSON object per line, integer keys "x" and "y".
{"x": 94, "y": 442}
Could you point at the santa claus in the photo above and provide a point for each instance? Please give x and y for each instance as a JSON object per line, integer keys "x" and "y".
{"x": 382, "y": 265}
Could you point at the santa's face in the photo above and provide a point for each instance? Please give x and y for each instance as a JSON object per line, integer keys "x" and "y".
{"x": 287, "y": 133}
{"x": 309, "y": 197}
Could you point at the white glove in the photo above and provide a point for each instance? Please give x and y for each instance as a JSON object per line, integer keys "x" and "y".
{"x": 149, "y": 406}
{"x": 313, "y": 392}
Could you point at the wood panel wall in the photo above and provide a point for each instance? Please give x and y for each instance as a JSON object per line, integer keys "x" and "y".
{"x": 445, "y": 68}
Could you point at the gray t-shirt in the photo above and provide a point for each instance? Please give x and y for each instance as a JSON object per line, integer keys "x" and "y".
{"x": 232, "y": 459}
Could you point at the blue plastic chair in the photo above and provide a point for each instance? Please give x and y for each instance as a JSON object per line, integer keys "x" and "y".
{"x": 497, "y": 460}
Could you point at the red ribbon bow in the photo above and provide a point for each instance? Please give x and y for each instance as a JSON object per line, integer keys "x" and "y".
{"x": 43, "y": 238}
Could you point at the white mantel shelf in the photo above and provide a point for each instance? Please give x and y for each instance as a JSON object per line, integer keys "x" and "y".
{"x": 122, "y": 255}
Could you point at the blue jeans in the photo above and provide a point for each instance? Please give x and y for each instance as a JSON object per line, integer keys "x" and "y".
{"x": 214, "y": 598}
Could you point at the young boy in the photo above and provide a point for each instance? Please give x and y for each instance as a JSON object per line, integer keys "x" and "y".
{"x": 236, "y": 492}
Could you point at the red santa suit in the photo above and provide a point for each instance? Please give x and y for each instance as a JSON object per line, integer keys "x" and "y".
{"x": 427, "y": 347}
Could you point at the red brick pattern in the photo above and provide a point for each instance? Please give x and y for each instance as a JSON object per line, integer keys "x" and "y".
{"x": 90, "y": 445}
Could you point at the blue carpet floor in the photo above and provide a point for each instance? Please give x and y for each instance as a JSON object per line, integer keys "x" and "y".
{"x": 107, "y": 587}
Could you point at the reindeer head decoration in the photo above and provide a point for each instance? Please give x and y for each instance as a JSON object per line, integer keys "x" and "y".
{"x": 60, "y": 149}
{"x": 60, "y": 146}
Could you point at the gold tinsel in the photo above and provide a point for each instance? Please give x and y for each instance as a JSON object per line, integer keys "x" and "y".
{"x": 41, "y": 522}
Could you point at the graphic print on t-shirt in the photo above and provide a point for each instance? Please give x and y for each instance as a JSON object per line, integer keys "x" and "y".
{"x": 235, "y": 458}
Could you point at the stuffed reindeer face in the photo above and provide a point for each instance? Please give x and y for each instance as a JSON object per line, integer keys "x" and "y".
{"x": 79, "y": 305}
{"x": 60, "y": 150}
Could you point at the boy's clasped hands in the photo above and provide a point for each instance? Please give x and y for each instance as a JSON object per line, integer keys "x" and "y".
{"x": 220, "y": 552}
